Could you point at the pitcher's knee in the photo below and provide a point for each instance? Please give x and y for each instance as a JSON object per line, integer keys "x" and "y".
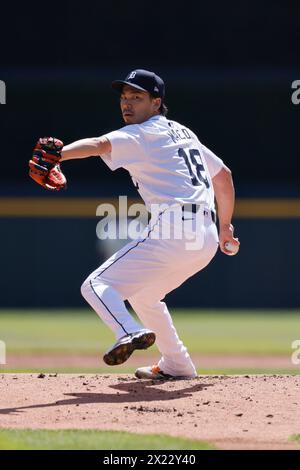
{"x": 86, "y": 288}
{"x": 94, "y": 287}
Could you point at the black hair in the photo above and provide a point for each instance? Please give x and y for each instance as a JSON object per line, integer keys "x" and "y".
{"x": 163, "y": 109}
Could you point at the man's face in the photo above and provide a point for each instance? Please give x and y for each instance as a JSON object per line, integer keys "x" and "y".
{"x": 137, "y": 106}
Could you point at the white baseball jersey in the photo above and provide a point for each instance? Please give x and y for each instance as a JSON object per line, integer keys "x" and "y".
{"x": 166, "y": 161}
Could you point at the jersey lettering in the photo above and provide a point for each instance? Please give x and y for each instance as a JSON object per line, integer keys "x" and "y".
{"x": 178, "y": 134}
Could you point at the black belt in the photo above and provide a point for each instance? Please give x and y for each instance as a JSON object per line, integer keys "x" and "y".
{"x": 193, "y": 208}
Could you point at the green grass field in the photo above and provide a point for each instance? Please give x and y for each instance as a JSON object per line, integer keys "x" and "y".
{"x": 245, "y": 332}
{"x": 59, "y": 332}
{"x": 207, "y": 332}
{"x": 14, "y": 439}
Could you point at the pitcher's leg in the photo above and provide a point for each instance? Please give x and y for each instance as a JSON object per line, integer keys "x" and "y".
{"x": 155, "y": 316}
{"x": 109, "y": 306}
{"x": 128, "y": 271}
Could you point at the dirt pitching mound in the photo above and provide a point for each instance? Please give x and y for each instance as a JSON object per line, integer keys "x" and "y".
{"x": 232, "y": 412}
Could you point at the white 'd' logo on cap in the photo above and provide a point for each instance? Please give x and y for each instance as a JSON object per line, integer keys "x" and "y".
{"x": 132, "y": 75}
{"x": 156, "y": 89}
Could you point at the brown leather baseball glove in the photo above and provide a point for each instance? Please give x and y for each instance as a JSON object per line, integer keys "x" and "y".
{"x": 44, "y": 166}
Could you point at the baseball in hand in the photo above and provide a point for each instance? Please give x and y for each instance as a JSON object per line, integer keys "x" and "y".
{"x": 232, "y": 248}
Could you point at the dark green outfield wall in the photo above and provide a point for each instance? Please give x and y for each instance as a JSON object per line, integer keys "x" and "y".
{"x": 44, "y": 261}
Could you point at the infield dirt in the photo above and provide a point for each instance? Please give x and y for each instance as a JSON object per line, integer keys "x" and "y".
{"x": 232, "y": 412}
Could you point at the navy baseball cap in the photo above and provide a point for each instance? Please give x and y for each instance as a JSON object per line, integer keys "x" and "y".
{"x": 142, "y": 80}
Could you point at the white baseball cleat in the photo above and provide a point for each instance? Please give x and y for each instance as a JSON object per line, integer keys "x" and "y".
{"x": 155, "y": 373}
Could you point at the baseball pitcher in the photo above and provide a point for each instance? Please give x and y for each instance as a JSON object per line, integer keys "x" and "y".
{"x": 179, "y": 180}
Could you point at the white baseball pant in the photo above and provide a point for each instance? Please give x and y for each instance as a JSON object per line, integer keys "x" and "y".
{"x": 143, "y": 272}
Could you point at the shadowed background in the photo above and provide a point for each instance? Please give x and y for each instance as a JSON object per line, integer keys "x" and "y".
{"x": 228, "y": 70}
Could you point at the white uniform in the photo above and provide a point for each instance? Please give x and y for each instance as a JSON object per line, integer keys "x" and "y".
{"x": 169, "y": 166}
